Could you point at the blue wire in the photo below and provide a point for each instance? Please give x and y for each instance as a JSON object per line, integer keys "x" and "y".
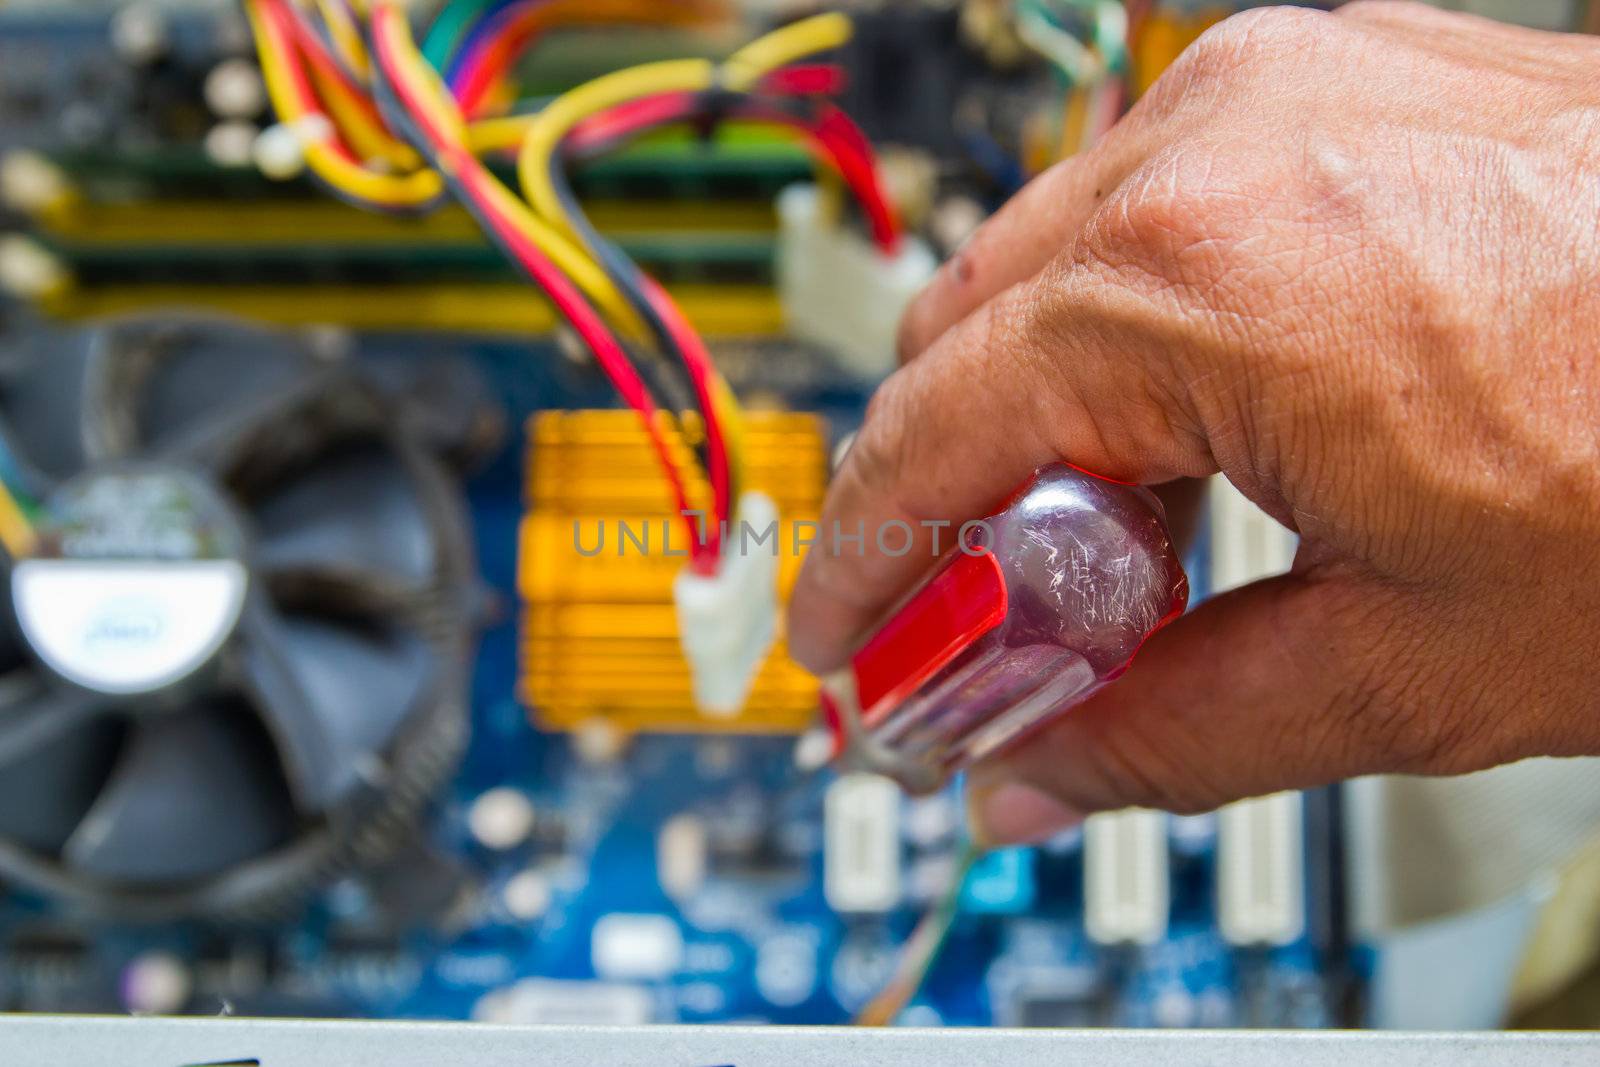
{"x": 476, "y": 38}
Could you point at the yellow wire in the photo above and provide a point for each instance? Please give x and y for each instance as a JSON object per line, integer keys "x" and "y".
{"x": 544, "y": 223}
{"x": 569, "y": 256}
{"x": 346, "y": 37}
{"x": 741, "y": 71}
{"x": 781, "y": 47}
{"x": 369, "y": 139}
{"x": 16, "y": 532}
{"x": 498, "y": 135}
{"x": 486, "y": 136}
{"x": 558, "y": 117}
{"x": 385, "y": 190}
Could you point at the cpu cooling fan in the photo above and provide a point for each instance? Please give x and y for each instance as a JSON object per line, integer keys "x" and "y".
{"x": 235, "y": 659}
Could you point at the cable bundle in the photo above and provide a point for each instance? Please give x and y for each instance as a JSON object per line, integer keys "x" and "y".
{"x": 374, "y": 119}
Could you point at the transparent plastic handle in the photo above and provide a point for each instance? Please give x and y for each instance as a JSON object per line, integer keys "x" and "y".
{"x": 1041, "y": 605}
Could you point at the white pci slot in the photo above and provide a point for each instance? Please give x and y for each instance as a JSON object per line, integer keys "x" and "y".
{"x": 1125, "y": 874}
{"x": 861, "y": 844}
{"x": 1246, "y": 543}
{"x": 1260, "y": 842}
{"x": 1261, "y": 871}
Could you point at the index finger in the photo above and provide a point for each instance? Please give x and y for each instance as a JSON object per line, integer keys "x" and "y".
{"x": 1020, "y": 239}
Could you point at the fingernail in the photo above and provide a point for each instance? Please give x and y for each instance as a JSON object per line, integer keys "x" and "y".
{"x": 1011, "y": 813}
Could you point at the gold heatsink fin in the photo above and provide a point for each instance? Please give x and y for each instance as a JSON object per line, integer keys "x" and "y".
{"x": 599, "y": 638}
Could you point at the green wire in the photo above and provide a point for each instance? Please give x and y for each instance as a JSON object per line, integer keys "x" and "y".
{"x": 451, "y": 25}
{"x": 11, "y": 478}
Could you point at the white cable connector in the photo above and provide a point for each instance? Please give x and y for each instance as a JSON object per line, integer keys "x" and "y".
{"x": 727, "y": 620}
{"x": 838, "y": 290}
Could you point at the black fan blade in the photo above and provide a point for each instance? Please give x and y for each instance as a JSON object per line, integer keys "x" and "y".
{"x": 210, "y": 377}
{"x": 334, "y": 694}
{"x": 13, "y": 651}
{"x": 357, "y": 512}
{"x": 33, "y": 714}
{"x": 193, "y": 794}
{"x": 54, "y": 756}
{"x": 42, "y": 405}
{"x": 315, "y": 767}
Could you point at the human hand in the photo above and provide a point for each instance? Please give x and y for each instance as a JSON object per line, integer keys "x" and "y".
{"x": 1350, "y": 261}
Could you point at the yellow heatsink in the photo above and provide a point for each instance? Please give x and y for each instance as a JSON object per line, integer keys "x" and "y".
{"x": 599, "y": 632}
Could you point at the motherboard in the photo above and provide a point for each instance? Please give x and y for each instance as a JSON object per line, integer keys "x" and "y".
{"x": 559, "y": 838}
{"x": 590, "y": 876}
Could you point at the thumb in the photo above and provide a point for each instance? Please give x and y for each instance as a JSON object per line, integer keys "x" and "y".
{"x": 1276, "y": 685}
{"x": 1069, "y": 366}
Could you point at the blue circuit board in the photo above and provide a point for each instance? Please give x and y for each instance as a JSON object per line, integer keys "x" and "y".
{"x": 757, "y": 939}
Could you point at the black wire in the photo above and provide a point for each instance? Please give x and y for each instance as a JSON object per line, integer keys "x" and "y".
{"x": 404, "y": 125}
{"x": 629, "y": 279}
{"x": 710, "y": 108}
{"x": 313, "y": 23}
{"x": 405, "y": 211}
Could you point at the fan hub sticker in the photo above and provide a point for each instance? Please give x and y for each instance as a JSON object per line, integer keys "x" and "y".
{"x": 137, "y": 580}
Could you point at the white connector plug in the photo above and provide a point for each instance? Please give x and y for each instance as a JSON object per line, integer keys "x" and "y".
{"x": 838, "y": 290}
{"x": 727, "y": 620}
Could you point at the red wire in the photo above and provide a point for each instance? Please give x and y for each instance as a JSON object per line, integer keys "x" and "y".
{"x": 806, "y": 79}
{"x": 620, "y": 121}
{"x": 629, "y": 118}
{"x": 569, "y": 302}
{"x": 858, "y": 163}
{"x": 496, "y": 58}
{"x": 836, "y": 135}
{"x": 702, "y": 375}
{"x": 315, "y": 51}
{"x": 843, "y": 146}
{"x": 279, "y": 25}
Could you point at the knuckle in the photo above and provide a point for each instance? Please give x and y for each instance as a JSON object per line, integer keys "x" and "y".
{"x": 1247, "y": 40}
{"x": 1175, "y": 220}
{"x": 912, "y": 335}
{"x": 1146, "y": 224}
{"x": 1387, "y": 11}
{"x": 1160, "y": 264}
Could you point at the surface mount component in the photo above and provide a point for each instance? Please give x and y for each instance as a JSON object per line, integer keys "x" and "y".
{"x": 233, "y": 659}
